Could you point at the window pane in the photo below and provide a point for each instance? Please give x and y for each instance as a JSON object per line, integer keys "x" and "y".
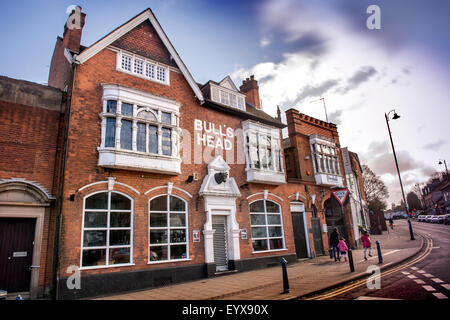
{"x": 127, "y": 109}
{"x": 119, "y": 255}
{"x": 152, "y": 139}
{"x": 111, "y": 106}
{"x": 126, "y": 63}
{"x": 178, "y": 252}
{"x": 166, "y": 118}
{"x": 138, "y": 66}
{"x": 257, "y": 206}
{"x": 97, "y": 201}
{"x": 177, "y": 204}
{"x": 159, "y": 204}
{"x": 276, "y": 244}
{"x": 177, "y": 220}
{"x": 275, "y": 232}
{"x": 95, "y": 219}
{"x": 158, "y": 236}
{"x": 259, "y": 232}
{"x": 147, "y": 115}
{"x": 110, "y": 135}
{"x": 161, "y": 73}
{"x": 120, "y": 202}
{"x": 273, "y": 219}
{"x": 257, "y": 219}
{"x": 140, "y": 137}
{"x": 120, "y": 219}
{"x": 126, "y": 134}
{"x": 96, "y": 257}
{"x": 158, "y": 253}
{"x": 177, "y": 235}
{"x": 94, "y": 238}
{"x": 119, "y": 237}
{"x": 166, "y": 142}
{"x": 259, "y": 245}
{"x": 158, "y": 220}
{"x": 272, "y": 206}
{"x": 150, "y": 70}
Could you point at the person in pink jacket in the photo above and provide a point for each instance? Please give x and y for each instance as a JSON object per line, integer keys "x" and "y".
{"x": 342, "y": 246}
{"x": 366, "y": 244}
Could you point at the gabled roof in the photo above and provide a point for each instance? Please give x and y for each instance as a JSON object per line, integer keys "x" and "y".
{"x": 101, "y": 44}
{"x": 228, "y": 83}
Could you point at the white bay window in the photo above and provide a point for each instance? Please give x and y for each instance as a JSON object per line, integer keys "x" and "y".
{"x": 325, "y": 161}
{"x": 139, "y": 131}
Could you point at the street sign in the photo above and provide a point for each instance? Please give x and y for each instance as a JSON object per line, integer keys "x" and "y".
{"x": 341, "y": 195}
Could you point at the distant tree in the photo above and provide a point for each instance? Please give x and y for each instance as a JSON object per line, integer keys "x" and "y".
{"x": 376, "y": 191}
{"x": 413, "y": 201}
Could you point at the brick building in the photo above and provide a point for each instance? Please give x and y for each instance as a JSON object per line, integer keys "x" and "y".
{"x": 158, "y": 179}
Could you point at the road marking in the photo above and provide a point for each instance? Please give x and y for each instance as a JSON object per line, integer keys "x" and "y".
{"x": 414, "y": 268}
{"x": 437, "y": 280}
{"x": 440, "y": 295}
{"x": 428, "y": 275}
{"x": 446, "y": 286}
{"x": 436, "y": 248}
{"x": 374, "y": 298}
{"x": 412, "y": 276}
{"x": 429, "y": 288}
{"x": 418, "y": 281}
{"x": 404, "y": 272}
{"x": 421, "y": 271}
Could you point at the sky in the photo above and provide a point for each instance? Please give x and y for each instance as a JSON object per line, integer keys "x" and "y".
{"x": 299, "y": 51}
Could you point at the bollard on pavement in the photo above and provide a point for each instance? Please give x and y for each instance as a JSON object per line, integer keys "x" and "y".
{"x": 350, "y": 260}
{"x": 285, "y": 276}
{"x": 380, "y": 257}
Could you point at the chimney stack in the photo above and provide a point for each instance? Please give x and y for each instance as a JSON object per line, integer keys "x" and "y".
{"x": 250, "y": 88}
{"x": 73, "y": 29}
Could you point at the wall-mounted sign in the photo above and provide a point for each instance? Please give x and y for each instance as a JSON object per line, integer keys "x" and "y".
{"x": 211, "y": 135}
{"x": 243, "y": 234}
{"x": 196, "y": 235}
{"x": 20, "y": 254}
{"x": 341, "y": 195}
{"x": 346, "y": 160}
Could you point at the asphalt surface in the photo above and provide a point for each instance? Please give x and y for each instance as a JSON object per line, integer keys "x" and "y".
{"x": 428, "y": 278}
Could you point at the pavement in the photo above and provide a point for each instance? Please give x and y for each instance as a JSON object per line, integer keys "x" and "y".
{"x": 306, "y": 277}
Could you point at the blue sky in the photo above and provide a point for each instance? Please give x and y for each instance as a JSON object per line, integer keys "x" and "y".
{"x": 300, "y": 51}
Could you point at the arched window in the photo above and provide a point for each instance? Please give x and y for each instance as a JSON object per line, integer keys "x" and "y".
{"x": 107, "y": 230}
{"x": 168, "y": 232}
{"x": 266, "y": 226}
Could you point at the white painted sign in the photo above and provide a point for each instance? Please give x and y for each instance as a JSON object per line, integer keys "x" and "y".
{"x": 209, "y": 134}
{"x": 20, "y": 254}
{"x": 346, "y": 160}
{"x": 341, "y": 195}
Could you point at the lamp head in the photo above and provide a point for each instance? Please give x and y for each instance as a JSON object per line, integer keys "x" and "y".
{"x": 440, "y": 162}
{"x": 396, "y": 116}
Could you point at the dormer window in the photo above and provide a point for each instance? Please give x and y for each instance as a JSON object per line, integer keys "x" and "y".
{"x": 139, "y": 131}
{"x": 142, "y": 67}
{"x": 225, "y": 93}
{"x": 325, "y": 161}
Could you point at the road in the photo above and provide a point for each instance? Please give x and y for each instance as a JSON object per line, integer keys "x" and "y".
{"x": 427, "y": 277}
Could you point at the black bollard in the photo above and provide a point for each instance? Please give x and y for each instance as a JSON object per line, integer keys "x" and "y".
{"x": 350, "y": 260}
{"x": 285, "y": 276}
{"x": 380, "y": 257}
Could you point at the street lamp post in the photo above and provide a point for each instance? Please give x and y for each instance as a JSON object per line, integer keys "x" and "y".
{"x": 445, "y": 163}
{"x": 396, "y": 116}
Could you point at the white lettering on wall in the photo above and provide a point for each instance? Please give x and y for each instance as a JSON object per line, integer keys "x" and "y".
{"x": 211, "y": 135}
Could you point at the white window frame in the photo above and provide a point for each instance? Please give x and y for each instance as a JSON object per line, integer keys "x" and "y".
{"x": 168, "y": 228}
{"x": 267, "y": 225}
{"x": 157, "y": 66}
{"x": 107, "y": 229}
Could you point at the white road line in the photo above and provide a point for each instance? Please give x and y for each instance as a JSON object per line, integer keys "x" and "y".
{"x": 412, "y": 276}
{"x": 428, "y": 275}
{"x": 446, "y": 286}
{"x": 414, "y": 268}
{"x": 388, "y": 253}
{"x": 437, "y": 280}
{"x": 404, "y": 272}
{"x": 418, "y": 281}
{"x": 429, "y": 288}
{"x": 421, "y": 271}
{"x": 440, "y": 295}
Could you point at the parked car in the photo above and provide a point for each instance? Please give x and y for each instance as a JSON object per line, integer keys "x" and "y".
{"x": 421, "y": 218}
{"x": 441, "y": 219}
{"x": 434, "y": 219}
{"x": 428, "y": 218}
{"x": 447, "y": 219}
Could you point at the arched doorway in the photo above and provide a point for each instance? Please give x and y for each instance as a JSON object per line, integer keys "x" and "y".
{"x": 334, "y": 218}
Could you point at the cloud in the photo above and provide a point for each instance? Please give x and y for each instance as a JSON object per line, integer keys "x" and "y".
{"x": 335, "y": 117}
{"x": 361, "y": 76}
{"x": 315, "y": 91}
{"x": 436, "y": 145}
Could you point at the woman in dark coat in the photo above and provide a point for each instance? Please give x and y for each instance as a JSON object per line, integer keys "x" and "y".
{"x": 334, "y": 241}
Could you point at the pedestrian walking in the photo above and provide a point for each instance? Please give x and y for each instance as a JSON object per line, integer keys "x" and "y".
{"x": 334, "y": 241}
{"x": 342, "y": 246}
{"x": 391, "y": 222}
{"x": 367, "y": 244}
